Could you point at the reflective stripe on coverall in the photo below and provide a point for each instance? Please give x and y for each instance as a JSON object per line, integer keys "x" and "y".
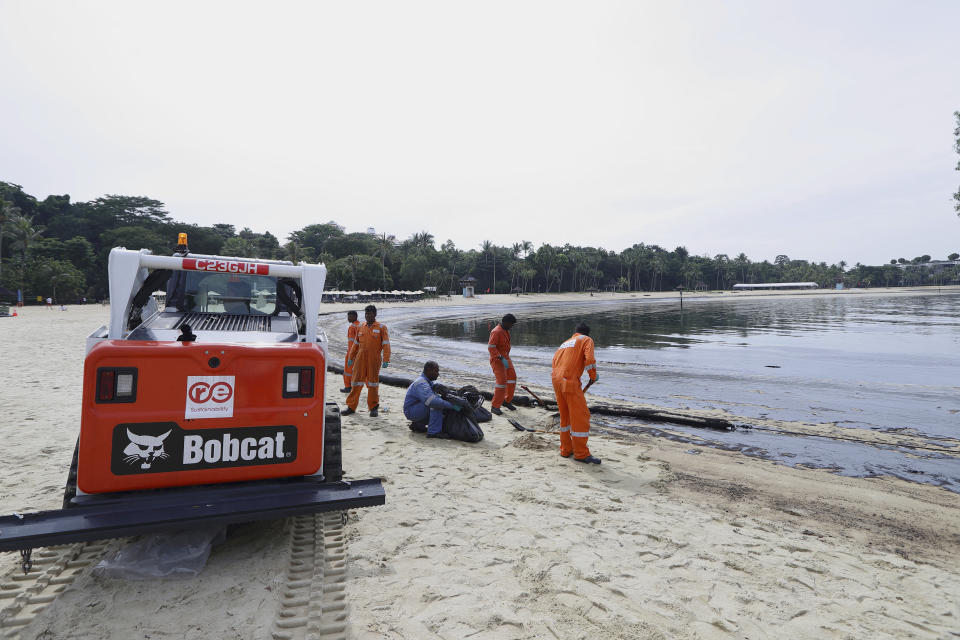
{"x": 351, "y": 339}
{"x": 569, "y": 362}
{"x": 371, "y": 340}
{"x": 506, "y": 377}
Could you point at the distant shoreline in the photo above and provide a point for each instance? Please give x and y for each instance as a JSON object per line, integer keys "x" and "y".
{"x": 504, "y": 299}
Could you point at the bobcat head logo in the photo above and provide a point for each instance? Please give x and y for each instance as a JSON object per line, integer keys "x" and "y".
{"x": 144, "y": 449}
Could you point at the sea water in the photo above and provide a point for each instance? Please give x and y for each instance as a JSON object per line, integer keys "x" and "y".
{"x": 874, "y": 362}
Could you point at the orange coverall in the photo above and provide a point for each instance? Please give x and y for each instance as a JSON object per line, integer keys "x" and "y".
{"x": 371, "y": 340}
{"x": 569, "y": 362}
{"x": 351, "y": 339}
{"x": 506, "y": 377}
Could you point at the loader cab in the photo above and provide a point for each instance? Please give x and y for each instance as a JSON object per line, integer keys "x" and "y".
{"x": 230, "y": 294}
{"x": 222, "y": 299}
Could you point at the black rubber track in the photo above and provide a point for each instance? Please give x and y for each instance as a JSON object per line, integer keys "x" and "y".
{"x": 70, "y": 489}
{"x": 332, "y": 450}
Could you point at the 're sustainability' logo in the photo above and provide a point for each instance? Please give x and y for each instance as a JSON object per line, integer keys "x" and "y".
{"x": 210, "y": 397}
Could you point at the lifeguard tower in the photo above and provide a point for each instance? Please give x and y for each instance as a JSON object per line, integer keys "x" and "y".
{"x": 468, "y": 284}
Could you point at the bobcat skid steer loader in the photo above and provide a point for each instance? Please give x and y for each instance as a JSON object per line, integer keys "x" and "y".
{"x": 202, "y": 406}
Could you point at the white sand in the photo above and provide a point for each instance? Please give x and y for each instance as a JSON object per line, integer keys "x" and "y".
{"x": 505, "y": 539}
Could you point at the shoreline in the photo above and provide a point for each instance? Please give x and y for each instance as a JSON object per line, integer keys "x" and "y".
{"x": 461, "y": 364}
{"x": 509, "y": 299}
{"x": 504, "y": 539}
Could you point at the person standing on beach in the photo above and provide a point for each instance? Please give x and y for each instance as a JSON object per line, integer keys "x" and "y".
{"x": 365, "y": 355}
{"x": 503, "y": 371}
{"x": 352, "y": 327}
{"x": 569, "y": 362}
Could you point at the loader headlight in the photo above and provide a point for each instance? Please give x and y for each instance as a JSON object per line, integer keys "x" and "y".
{"x": 116, "y": 384}
{"x": 298, "y": 382}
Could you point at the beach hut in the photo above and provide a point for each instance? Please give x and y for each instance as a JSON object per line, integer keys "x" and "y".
{"x": 468, "y": 283}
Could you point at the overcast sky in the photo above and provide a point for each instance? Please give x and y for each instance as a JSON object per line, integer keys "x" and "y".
{"x": 822, "y": 130}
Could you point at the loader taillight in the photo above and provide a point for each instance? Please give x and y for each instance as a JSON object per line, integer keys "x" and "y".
{"x": 298, "y": 382}
{"x": 116, "y": 384}
{"x": 106, "y": 381}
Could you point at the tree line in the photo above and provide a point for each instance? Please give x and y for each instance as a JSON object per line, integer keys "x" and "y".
{"x": 58, "y": 248}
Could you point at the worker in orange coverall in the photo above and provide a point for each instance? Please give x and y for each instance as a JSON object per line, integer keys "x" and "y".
{"x": 506, "y": 377}
{"x": 352, "y": 327}
{"x": 365, "y": 356}
{"x": 569, "y": 362}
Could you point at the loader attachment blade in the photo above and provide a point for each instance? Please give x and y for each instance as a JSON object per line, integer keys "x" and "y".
{"x": 94, "y": 517}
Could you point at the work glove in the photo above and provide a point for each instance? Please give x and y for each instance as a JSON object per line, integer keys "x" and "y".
{"x": 386, "y": 364}
{"x": 456, "y": 407}
{"x": 349, "y": 363}
{"x": 506, "y": 363}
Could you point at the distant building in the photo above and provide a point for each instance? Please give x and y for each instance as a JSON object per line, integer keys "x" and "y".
{"x": 934, "y": 266}
{"x": 371, "y": 231}
{"x": 468, "y": 284}
{"x": 776, "y": 285}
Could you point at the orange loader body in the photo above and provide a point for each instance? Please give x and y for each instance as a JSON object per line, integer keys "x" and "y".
{"x": 199, "y": 413}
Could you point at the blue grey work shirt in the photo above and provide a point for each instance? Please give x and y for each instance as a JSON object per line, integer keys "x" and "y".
{"x": 421, "y": 393}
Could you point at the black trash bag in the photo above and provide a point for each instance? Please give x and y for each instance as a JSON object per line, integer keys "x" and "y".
{"x": 460, "y": 426}
{"x": 472, "y": 395}
{"x": 480, "y": 414}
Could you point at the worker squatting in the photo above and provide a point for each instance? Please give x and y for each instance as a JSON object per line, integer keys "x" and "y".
{"x": 368, "y": 349}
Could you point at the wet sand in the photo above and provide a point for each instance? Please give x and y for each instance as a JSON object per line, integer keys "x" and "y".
{"x": 505, "y": 539}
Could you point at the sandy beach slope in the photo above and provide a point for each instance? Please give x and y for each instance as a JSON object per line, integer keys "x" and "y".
{"x": 505, "y": 539}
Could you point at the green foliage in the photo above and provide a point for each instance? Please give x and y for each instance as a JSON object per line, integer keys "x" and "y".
{"x": 38, "y": 238}
{"x": 315, "y": 236}
{"x": 56, "y": 279}
{"x": 131, "y": 210}
{"x": 136, "y": 237}
{"x": 239, "y": 247}
{"x": 356, "y": 272}
{"x": 252, "y": 245}
{"x": 413, "y": 271}
{"x": 351, "y": 244}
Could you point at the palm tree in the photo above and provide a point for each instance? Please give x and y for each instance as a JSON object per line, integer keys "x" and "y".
{"x": 516, "y": 271}
{"x": 24, "y": 235}
{"x": 353, "y": 262}
{"x": 742, "y": 261}
{"x": 423, "y": 241}
{"x": 721, "y": 260}
{"x": 385, "y": 243}
{"x": 690, "y": 273}
{"x": 7, "y": 213}
{"x": 488, "y": 248}
{"x": 657, "y": 267}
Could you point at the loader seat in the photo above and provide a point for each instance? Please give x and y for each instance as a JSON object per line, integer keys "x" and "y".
{"x": 237, "y": 298}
